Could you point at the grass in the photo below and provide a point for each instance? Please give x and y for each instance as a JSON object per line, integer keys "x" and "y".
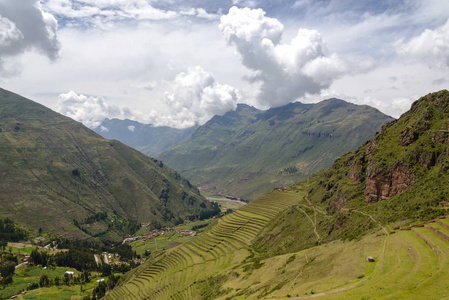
{"x": 406, "y": 268}
{"x": 160, "y": 243}
{"x": 168, "y": 240}
{"x": 405, "y": 265}
{"x": 27, "y": 275}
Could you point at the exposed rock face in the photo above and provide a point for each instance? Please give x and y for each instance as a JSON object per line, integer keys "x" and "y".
{"x": 384, "y": 186}
{"x": 357, "y": 172}
{"x": 407, "y": 137}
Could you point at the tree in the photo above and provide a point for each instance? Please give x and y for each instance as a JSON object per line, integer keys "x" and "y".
{"x": 3, "y": 245}
{"x": 7, "y": 269}
{"x": 44, "y": 281}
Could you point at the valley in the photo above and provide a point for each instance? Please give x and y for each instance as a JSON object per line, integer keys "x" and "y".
{"x": 374, "y": 224}
{"x": 248, "y": 152}
{"x": 330, "y": 236}
{"x": 224, "y": 150}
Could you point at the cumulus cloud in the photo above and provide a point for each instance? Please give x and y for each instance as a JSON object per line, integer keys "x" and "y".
{"x": 285, "y": 71}
{"x": 432, "y": 45}
{"x": 91, "y": 111}
{"x": 24, "y": 25}
{"x": 394, "y": 107}
{"x": 194, "y": 97}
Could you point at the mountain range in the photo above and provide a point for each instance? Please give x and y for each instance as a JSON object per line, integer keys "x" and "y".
{"x": 248, "y": 152}
{"x": 146, "y": 138}
{"x": 56, "y": 174}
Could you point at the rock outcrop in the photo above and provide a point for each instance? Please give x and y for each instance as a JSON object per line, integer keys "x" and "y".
{"x": 384, "y": 186}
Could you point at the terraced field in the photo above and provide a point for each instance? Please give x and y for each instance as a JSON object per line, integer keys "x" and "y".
{"x": 415, "y": 266}
{"x": 412, "y": 263}
{"x": 182, "y": 271}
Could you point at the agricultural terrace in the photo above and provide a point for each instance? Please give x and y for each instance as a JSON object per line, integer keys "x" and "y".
{"x": 183, "y": 270}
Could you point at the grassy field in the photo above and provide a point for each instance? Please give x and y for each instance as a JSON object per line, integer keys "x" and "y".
{"x": 226, "y": 204}
{"x": 25, "y": 275}
{"x": 160, "y": 243}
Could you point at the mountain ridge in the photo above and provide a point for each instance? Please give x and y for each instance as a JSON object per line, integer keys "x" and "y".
{"x": 56, "y": 171}
{"x": 146, "y": 138}
{"x": 248, "y": 152}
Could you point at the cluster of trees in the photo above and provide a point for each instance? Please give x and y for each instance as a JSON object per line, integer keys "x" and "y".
{"x": 100, "y": 291}
{"x": 9, "y": 232}
{"x": 197, "y": 227}
{"x": 79, "y": 259}
{"x": 8, "y": 263}
{"x": 124, "y": 226}
{"x": 80, "y": 256}
{"x": 93, "y": 246}
{"x": 107, "y": 270}
{"x": 207, "y": 213}
{"x": 66, "y": 279}
{"x": 96, "y": 218}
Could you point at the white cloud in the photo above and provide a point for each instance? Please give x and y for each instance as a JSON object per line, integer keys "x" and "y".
{"x": 91, "y": 111}
{"x": 395, "y": 106}
{"x": 9, "y": 33}
{"x": 109, "y": 10}
{"x": 195, "y": 97}
{"x": 100, "y": 13}
{"x": 432, "y": 46}
{"x": 24, "y": 26}
{"x": 285, "y": 71}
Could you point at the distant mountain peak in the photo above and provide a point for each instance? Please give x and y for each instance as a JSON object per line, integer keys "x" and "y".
{"x": 248, "y": 152}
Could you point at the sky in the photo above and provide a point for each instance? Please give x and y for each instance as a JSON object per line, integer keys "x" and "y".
{"x": 179, "y": 62}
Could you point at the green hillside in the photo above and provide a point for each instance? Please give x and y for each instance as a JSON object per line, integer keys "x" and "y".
{"x": 248, "y": 152}
{"x": 314, "y": 239}
{"x": 58, "y": 175}
{"x": 398, "y": 176}
{"x": 146, "y": 138}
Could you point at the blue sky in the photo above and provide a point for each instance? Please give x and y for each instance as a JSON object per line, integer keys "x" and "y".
{"x": 178, "y": 63}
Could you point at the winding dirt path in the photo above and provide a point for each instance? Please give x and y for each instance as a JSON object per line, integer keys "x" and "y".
{"x": 313, "y": 223}
{"x": 345, "y": 288}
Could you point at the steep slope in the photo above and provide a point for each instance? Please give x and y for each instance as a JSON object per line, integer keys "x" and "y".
{"x": 248, "y": 152}
{"x": 146, "y": 138}
{"x": 55, "y": 172}
{"x": 293, "y": 243}
{"x": 400, "y": 175}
